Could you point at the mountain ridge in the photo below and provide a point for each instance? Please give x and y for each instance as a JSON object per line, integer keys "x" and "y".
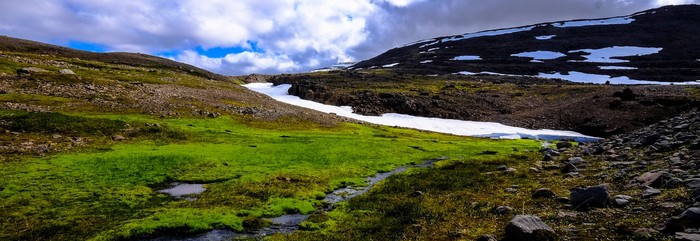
{"x": 672, "y": 28}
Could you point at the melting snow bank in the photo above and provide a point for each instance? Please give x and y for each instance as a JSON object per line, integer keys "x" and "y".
{"x": 456, "y": 127}
{"x": 579, "y": 77}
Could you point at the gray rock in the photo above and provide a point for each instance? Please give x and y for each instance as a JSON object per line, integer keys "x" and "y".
{"x": 650, "y": 179}
{"x": 620, "y": 202}
{"x": 66, "y": 72}
{"x": 502, "y": 168}
{"x": 118, "y": 138}
{"x": 501, "y": 210}
{"x": 575, "y": 160}
{"x": 510, "y": 170}
{"x": 673, "y": 183}
{"x": 528, "y": 228}
{"x": 687, "y": 237}
{"x": 591, "y": 197}
{"x": 29, "y": 71}
{"x": 543, "y": 193}
{"x": 651, "y": 192}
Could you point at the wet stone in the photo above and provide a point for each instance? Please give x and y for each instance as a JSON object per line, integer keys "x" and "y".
{"x": 651, "y": 192}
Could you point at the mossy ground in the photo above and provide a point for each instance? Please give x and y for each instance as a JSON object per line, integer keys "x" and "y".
{"x": 109, "y": 191}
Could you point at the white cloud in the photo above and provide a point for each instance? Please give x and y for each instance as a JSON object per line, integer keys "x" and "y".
{"x": 289, "y": 35}
{"x": 673, "y": 2}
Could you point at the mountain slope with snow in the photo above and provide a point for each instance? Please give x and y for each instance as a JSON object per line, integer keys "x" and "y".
{"x": 654, "y": 45}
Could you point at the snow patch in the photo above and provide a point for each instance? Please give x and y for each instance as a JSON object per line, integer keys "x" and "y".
{"x": 545, "y": 37}
{"x": 433, "y": 49}
{"x": 467, "y": 57}
{"x": 426, "y": 61}
{"x": 606, "y": 55}
{"x": 390, "y": 65}
{"x": 579, "y": 77}
{"x": 584, "y": 23}
{"x": 617, "y": 67}
{"x": 456, "y": 127}
{"x": 540, "y": 55}
{"x": 480, "y": 34}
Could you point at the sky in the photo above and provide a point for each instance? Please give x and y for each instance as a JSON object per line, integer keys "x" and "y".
{"x": 238, "y": 37}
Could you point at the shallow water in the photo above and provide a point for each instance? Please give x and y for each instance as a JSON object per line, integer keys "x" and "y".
{"x": 184, "y": 190}
{"x": 289, "y": 223}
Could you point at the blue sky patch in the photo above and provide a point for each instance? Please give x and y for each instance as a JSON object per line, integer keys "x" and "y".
{"x": 217, "y": 52}
{"x": 87, "y": 46}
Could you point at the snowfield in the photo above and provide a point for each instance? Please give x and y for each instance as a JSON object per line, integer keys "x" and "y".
{"x": 606, "y": 55}
{"x": 540, "y": 55}
{"x": 448, "y": 126}
{"x": 579, "y": 77}
{"x": 467, "y": 57}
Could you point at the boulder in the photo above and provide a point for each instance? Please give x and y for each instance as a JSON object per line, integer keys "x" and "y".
{"x": 543, "y": 193}
{"x": 66, "y": 72}
{"x": 651, "y": 192}
{"x": 528, "y": 228}
{"x": 29, "y": 70}
{"x": 591, "y": 197}
{"x": 118, "y": 138}
{"x": 650, "y": 179}
{"x": 690, "y": 218}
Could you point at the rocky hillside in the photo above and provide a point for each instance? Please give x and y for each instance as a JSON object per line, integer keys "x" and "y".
{"x": 37, "y": 77}
{"x": 657, "y": 45}
{"x": 652, "y": 173}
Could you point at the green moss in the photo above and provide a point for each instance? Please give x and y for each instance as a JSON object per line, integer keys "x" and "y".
{"x": 57, "y": 123}
{"x": 34, "y": 99}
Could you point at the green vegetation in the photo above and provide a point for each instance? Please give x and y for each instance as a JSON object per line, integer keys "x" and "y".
{"x": 109, "y": 191}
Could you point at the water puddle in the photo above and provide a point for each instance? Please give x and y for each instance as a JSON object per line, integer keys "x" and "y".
{"x": 289, "y": 223}
{"x": 184, "y": 190}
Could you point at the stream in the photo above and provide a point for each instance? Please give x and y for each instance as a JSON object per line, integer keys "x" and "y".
{"x": 289, "y": 223}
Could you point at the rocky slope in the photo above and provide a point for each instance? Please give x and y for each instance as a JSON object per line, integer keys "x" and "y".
{"x": 669, "y": 33}
{"x": 658, "y": 166}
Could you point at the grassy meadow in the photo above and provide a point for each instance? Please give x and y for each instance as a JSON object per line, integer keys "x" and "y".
{"x": 108, "y": 191}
